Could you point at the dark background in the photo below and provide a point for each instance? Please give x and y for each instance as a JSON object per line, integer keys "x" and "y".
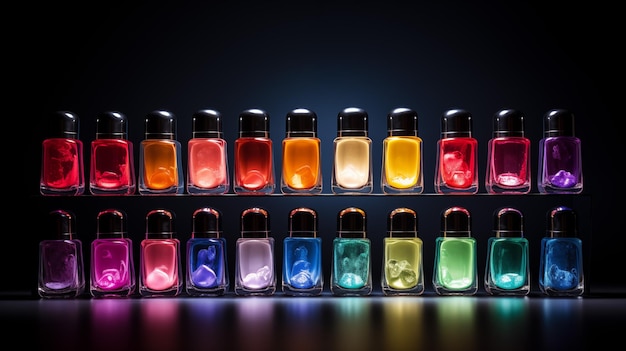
{"x": 430, "y": 57}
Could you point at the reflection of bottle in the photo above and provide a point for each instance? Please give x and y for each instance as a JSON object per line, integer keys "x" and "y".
{"x": 508, "y": 155}
{"x": 112, "y": 264}
{"x": 62, "y": 165}
{"x": 352, "y": 167}
{"x": 160, "y": 163}
{"x": 254, "y": 250}
{"x": 456, "y": 170}
{"x": 207, "y": 162}
{"x": 455, "y": 270}
{"x": 560, "y": 156}
{"x": 402, "y": 154}
{"x": 507, "y": 271}
{"x": 403, "y": 269}
{"x": 61, "y": 269}
{"x": 301, "y": 154}
{"x": 207, "y": 269}
{"x": 254, "y": 159}
{"x": 160, "y": 269}
{"x": 302, "y": 253}
{"x": 351, "y": 266}
{"x": 561, "y": 260}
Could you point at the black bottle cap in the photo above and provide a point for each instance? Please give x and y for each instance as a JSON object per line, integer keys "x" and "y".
{"x": 207, "y": 223}
{"x": 402, "y": 122}
{"x": 111, "y": 224}
{"x": 63, "y": 124}
{"x": 352, "y": 121}
{"x": 352, "y": 223}
{"x": 160, "y": 224}
{"x": 455, "y": 222}
{"x": 558, "y": 122}
{"x": 111, "y": 125}
{"x": 254, "y": 123}
{"x": 562, "y": 223}
{"x": 508, "y": 123}
{"x": 456, "y": 123}
{"x": 402, "y": 222}
{"x": 255, "y": 223}
{"x": 62, "y": 223}
{"x": 303, "y": 222}
{"x": 206, "y": 124}
{"x": 508, "y": 223}
{"x": 301, "y": 122}
{"x": 160, "y": 124}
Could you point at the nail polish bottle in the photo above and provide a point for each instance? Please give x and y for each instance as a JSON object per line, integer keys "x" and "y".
{"x": 61, "y": 267}
{"x": 351, "y": 266}
{"x": 507, "y": 271}
{"x": 62, "y": 164}
{"x": 254, "y": 250}
{"x": 112, "y": 262}
{"x": 160, "y": 268}
{"x": 207, "y": 162}
{"x": 160, "y": 163}
{"x": 207, "y": 267}
{"x": 402, "y": 154}
{"x": 112, "y": 167}
{"x": 403, "y": 269}
{"x": 456, "y": 170}
{"x": 352, "y": 167}
{"x": 508, "y": 155}
{"x": 302, "y": 255}
{"x": 455, "y": 270}
{"x": 561, "y": 261}
{"x": 254, "y": 158}
{"x": 301, "y": 154}
{"x": 560, "y": 156}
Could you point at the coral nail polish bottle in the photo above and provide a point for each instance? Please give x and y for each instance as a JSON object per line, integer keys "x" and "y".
{"x": 508, "y": 155}
{"x": 456, "y": 170}
{"x": 507, "y": 271}
{"x": 402, "y": 154}
{"x": 160, "y": 163}
{"x": 62, "y": 164}
{"x": 112, "y": 262}
{"x": 560, "y": 155}
{"x": 112, "y": 167}
{"x": 352, "y": 167}
{"x": 403, "y": 269}
{"x": 351, "y": 266}
{"x": 207, "y": 162}
{"x": 301, "y": 154}
{"x": 61, "y": 266}
{"x": 254, "y": 158}
{"x": 254, "y": 250}
{"x": 207, "y": 268}
{"x": 302, "y": 255}
{"x": 160, "y": 268}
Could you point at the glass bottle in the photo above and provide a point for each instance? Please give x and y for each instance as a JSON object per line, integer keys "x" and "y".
{"x": 160, "y": 162}
{"x": 561, "y": 261}
{"x": 560, "y": 155}
{"x": 402, "y": 154}
{"x": 254, "y": 158}
{"x": 160, "y": 269}
{"x": 403, "y": 269}
{"x": 302, "y": 255}
{"x": 207, "y": 162}
{"x": 351, "y": 265}
{"x": 112, "y": 167}
{"x": 254, "y": 250}
{"x": 508, "y": 155}
{"x": 352, "y": 167}
{"x": 61, "y": 266}
{"x": 301, "y": 154}
{"x": 456, "y": 170}
{"x": 455, "y": 270}
{"x": 62, "y": 164}
{"x": 112, "y": 262}
{"x": 507, "y": 271}
{"x": 207, "y": 265}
